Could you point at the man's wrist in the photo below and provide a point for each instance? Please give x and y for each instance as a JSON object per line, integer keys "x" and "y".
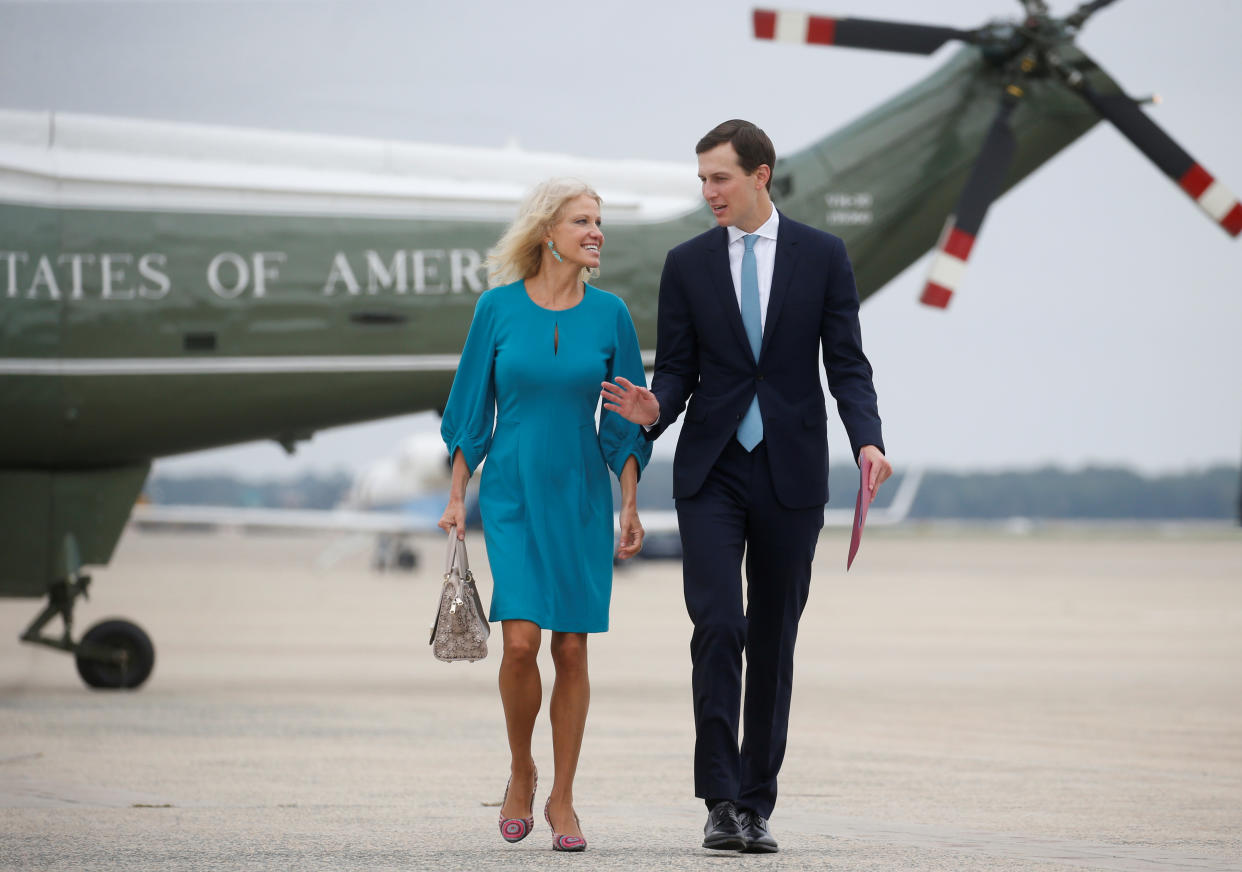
{"x": 656, "y": 420}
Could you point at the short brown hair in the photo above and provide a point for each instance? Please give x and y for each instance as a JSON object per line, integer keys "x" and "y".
{"x": 752, "y": 145}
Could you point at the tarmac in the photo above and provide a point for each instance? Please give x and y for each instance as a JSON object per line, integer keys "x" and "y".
{"x": 965, "y": 699}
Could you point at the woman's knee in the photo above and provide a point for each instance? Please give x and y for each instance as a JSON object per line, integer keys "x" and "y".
{"x": 569, "y": 651}
{"x": 521, "y": 642}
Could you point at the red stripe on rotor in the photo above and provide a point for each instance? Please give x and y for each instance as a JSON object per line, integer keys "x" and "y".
{"x": 1233, "y": 221}
{"x": 959, "y": 243}
{"x": 936, "y": 295}
{"x": 820, "y": 30}
{"x": 765, "y": 24}
{"x": 1195, "y": 181}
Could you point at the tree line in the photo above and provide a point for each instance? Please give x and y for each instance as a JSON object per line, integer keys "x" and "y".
{"x": 1092, "y": 493}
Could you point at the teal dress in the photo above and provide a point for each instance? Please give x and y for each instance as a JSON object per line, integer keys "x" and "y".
{"x": 525, "y": 397}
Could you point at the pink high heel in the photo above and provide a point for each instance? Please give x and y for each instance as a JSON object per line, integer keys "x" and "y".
{"x": 516, "y": 829}
{"x": 561, "y": 842}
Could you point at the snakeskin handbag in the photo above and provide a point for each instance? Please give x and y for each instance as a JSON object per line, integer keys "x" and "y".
{"x": 460, "y": 630}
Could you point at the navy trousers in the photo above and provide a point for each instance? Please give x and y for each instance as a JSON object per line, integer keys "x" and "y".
{"x": 736, "y": 515}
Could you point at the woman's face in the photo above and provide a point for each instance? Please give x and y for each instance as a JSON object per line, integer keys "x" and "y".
{"x": 577, "y": 234}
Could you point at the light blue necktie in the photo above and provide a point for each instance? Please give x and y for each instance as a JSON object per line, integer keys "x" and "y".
{"x": 750, "y": 431}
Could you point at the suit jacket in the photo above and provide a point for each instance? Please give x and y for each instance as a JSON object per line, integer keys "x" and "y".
{"x": 703, "y": 357}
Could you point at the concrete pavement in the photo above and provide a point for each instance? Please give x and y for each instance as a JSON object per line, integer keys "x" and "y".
{"x": 963, "y": 701}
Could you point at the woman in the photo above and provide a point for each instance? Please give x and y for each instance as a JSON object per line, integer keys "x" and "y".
{"x": 536, "y": 353}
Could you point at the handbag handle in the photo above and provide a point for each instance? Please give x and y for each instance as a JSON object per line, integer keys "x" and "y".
{"x": 456, "y": 555}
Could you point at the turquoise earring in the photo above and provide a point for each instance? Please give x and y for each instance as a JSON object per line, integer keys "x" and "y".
{"x": 555, "y": 253}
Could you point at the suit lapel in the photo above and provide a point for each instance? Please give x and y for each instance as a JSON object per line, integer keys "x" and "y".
{"x": 782, "y": 272}
{"x": 721, "y": 279}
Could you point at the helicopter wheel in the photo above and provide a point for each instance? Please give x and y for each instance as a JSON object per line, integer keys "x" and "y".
{"x": 129, "y": 639}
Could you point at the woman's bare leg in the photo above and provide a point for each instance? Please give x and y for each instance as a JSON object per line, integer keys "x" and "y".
{"x": 571, "y": 696}
{"x": 521, "y": 694}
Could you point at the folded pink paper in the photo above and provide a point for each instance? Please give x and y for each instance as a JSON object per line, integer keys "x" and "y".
{"x": 860, "y": 507}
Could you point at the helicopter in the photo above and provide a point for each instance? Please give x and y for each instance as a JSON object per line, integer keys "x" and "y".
{"x": 168, "y": 288}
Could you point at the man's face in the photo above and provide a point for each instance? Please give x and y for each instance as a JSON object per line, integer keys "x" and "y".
{"x": 735, "y": 198}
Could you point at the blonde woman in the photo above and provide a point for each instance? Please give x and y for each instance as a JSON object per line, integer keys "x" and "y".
{"x": 539, "y": 346}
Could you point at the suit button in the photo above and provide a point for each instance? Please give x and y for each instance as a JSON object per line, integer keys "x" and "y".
{"x": 759, "y": 378}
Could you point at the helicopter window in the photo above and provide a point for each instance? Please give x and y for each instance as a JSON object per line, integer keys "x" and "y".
{"x": 200, "y": 342}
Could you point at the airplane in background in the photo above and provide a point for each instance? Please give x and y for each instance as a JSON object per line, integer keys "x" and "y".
{"x": 391, "y": 502}
{"x": 166, "y": 288}
{"x": 658, "y": 513}
{"x": 401, "y": 497}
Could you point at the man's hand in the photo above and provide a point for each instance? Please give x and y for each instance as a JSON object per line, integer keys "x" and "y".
{"x": 881, "y": 469}
{"x": 631, "y": 402}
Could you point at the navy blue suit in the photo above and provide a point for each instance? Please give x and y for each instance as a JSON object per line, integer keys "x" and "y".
{"x": 766, "y": 505}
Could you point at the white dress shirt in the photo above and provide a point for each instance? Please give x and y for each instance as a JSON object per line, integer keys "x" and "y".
{"x": 765, "y": 261}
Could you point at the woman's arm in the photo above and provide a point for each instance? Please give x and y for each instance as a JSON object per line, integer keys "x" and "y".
{"x": 455, "y": 513}
{"x": 631, "y": 528}
{"x": 470, "y": 414}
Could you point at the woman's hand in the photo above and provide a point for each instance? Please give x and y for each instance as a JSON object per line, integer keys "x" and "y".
{"x": 454, "y": 516}
{"x": 632, "y": 533}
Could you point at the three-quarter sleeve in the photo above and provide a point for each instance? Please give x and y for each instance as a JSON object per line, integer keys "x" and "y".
{"x": 620, "y": 439}
{"x": 470, "y": 415}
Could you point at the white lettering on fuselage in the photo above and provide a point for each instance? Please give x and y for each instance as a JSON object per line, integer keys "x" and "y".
{"x": 147, "y": 266}
{"x": 427, "y": 268}
{"x": 421, "y": 271}
{"x": 11, "y": 258}
{"x": 129, "y": 276}
{"x": 112, "y": 269}
{"x": 240, "y": 270}
{"x": 265, "y": 271}
{"x": 44, "y": 275}
{"x": 240, "y": 275}
{"x": 465, "y": 266}
{"x": 75, "y": 268}
{"x": 849, "y": 209}
{"x": 113, "y": 282}
{"x": 341, "y": 272}
{"x": 389, "y": 277}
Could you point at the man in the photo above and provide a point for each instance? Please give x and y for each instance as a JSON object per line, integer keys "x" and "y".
{"x": 744, "y": 311}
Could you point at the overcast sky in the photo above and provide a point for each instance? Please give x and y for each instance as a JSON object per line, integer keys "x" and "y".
{"x": 1099, "y": 321}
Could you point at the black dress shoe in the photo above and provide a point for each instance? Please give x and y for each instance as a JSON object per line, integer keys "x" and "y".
{"x": 755, "y": 832}
{"x": 723, "y": 832}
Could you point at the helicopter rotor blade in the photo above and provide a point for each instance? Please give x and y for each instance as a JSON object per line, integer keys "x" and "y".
{"x": 1085, "y": 11}
{"x": 1123, "y": 112}
{"x": 802, "y": 27}
{"x": 982, "y": 187}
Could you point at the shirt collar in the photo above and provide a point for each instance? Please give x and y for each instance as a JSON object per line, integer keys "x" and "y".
{"x": 767, "y": 229}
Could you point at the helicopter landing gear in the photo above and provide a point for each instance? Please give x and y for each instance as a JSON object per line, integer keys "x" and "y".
{"x": 111, "y": 655}
{"x": 130, "y": 655}
{"x": 394, "y": 551}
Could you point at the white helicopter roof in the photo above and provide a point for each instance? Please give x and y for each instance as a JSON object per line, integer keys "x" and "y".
{"x": 84, "y": 161}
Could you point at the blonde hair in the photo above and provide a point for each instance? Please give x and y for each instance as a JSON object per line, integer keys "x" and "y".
{"x": 519, "y": 252}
